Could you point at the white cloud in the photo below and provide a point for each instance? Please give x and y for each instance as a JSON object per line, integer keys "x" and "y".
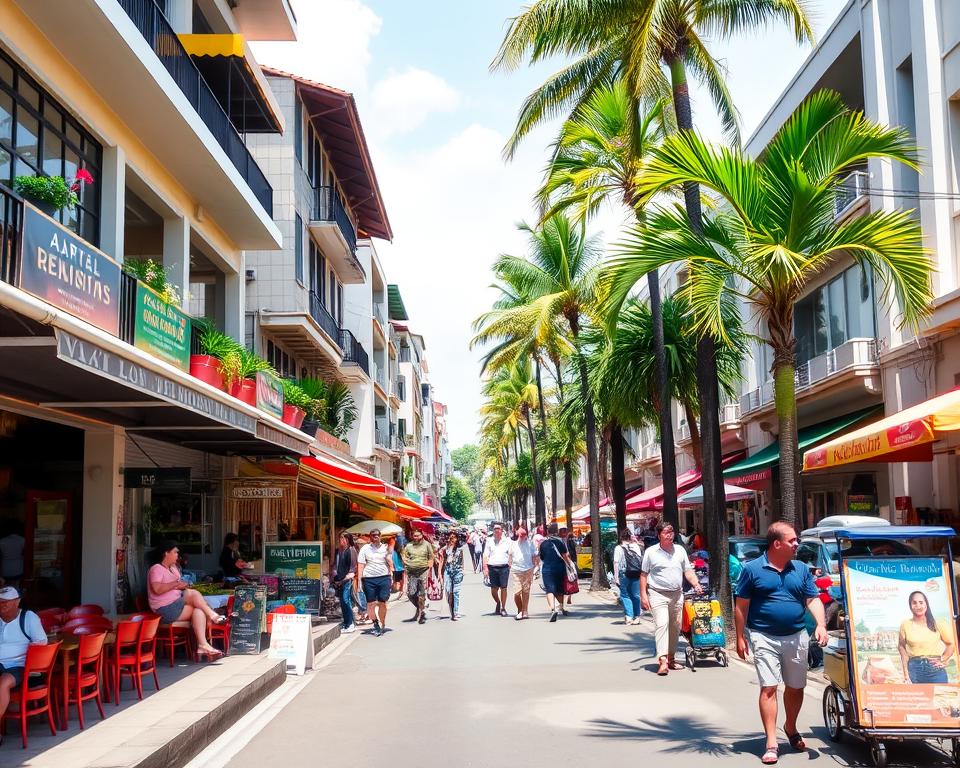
{"x": 402, "y": 101}
{"x": 333, "y": 43}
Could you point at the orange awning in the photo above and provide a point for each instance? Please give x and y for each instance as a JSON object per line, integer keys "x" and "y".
{"x": 905, "y": 436}
{"x": 355, "y": 482}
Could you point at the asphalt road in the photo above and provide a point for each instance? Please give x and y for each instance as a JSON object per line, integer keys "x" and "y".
{"x": 492, "y": 691}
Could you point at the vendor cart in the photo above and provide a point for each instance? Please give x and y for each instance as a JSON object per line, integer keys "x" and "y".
{"x": 875, "y": 691}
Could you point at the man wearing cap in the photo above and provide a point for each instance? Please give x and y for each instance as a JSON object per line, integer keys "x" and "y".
{"x": 17, "y": 630}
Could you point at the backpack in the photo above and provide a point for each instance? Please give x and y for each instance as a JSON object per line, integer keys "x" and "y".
{"x": 631, "y": 562}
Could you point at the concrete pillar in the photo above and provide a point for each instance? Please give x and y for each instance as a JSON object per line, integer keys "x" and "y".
{"x": 112, "y": 181}
{"x": 103, "y": 452}
{"x": 180, "y": 16}
{"x": 176, "y": 253}
{"x": 234, "y": 304}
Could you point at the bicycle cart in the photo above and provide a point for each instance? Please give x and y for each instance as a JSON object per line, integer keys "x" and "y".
{"x": 877, "y": 690}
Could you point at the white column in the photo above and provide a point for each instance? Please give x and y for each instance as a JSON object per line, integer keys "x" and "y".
{"x": 112, "y": 183}
{"x": 103, "y": 451}
{"x": 180, "y": 16}
{"x": 234, "y": 304}
{"x": 176, "y": 253}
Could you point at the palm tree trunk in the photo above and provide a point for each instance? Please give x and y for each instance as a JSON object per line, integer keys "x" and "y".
{"x": 568, "y": 493}
{"x": 695, "y": 443}
{"x": 785, "y": 397}
{"x": 603, "y": 467}
{"x": 543, "y": 435}
{"x": 714, "y": 502}
{"x": 599, "y": 578}
{"x": 668, "y": 459}
{"x": 618, "y": 476}
{"x": 539, "y": 505}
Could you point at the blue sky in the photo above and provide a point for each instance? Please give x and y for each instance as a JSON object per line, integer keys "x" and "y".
{"x": 436, "y": 121}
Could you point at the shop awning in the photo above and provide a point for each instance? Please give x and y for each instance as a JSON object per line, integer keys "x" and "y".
{"x": 694, "y": 497}
{"x": 354, "y": 482}
{"x": 653, "y": 499}
{"x": 905, "y": 436}
{"x": 756, "y": 467}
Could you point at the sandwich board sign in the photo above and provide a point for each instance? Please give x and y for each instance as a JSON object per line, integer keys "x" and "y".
{"x": 292, "y": 640}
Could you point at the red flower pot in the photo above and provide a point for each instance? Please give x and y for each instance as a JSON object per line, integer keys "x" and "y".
{"x": 245, "y": 390}
{"x": 207, "y": 369}
{"x": 293, "y": 415}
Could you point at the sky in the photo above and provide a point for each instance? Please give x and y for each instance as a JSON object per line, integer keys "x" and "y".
{"x": 436, "y": 121}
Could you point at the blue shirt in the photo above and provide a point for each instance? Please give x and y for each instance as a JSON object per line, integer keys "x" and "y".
{"x": 778, "y": 599}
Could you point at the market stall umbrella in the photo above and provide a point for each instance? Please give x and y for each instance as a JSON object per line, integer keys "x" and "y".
{"x": 694, "y": 497}
{"x": 364, "y": 527}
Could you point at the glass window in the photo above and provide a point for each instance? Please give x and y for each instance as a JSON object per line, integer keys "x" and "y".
{"x": 821, "y": 339}
{"x": 298, "y": 249}
{"x": 30, "y": 94}
{"x": 27, "y": 137}
{"x": 803, "y": 329}
{"x": 52, "y": 155}
{"x": 6, "y": 73}
{"x": 6, "y": 117}
{"x": 5, "y": 165}
{"x": 860, "y": 303}
{"x": 298, "y": 129}
{"x": 838, "y": 313}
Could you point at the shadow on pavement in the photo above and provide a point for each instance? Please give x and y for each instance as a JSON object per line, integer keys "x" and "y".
{"x": 679, "y": 735}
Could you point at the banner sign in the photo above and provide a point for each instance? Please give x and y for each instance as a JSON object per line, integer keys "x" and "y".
{"x": 62, "y": 269}
{"x": 269, "y": 394}
{"x": 161, "y": 328}
{"x": 901, "y": 623}
{"x": 293, "y": 558}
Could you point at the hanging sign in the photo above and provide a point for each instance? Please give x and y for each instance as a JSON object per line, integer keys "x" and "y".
{"x": 161, "y": 328}
{"x": 66, "y": 271}
{"x": 169, "y": 479}
{"x": 291, "y": 639}
{"x": 269, "y": 394}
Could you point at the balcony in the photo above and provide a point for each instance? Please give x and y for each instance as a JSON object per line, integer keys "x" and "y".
{"x": 331, "y": 226}
{"x": 852, "y": 191}
{"x": 380, "y": 315}
{"x": 353, "y": 352}
{"x": 857, "y": 357}
{"x": 378, "y": 375}
{"x": 650, "y": 452}
{"x": 729, "y": 414}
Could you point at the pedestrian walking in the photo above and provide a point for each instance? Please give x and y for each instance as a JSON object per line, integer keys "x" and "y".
{"x": 418, "y": 557}
{"x": 554, "y": 557}
{"x": 774, "y": 593}
{"x": 571, "y": 542}
{"x": 375, "y": 570}
{"x": 496, "y": 567}
{"x": 663, "y": 570}
{"x": 523, "y": 562}
{"x": 359, "y": 599}
{"x": 344, "y": 573}
{"x": 451, "y": 566}
{"x": 471, "y": 545}
{"x": 399, "y": 579}
{"x": 627, "y": 563}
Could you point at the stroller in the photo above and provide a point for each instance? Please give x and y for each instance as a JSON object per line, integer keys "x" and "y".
{"x": 702, "y": 624}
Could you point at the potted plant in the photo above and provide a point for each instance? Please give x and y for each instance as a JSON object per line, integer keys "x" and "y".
{"x": 216, "y": 347}
{"x": 239, "y": 369}
{"x": 315, "y": 392}
{"x": 295, "y": 403}
{"x": 52, "y": 193}
{"x": 154, "y": 275}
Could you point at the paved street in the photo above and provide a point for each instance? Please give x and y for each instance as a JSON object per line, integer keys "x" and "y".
{"x": 493, "y": 691}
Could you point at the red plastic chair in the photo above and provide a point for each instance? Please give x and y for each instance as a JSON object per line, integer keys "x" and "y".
{"x": 98, "y": 623}
{"x": 170, "y": 637}
{"x": 221, "y": 632}
{"x": 147, "y": 653}
{"x": 84, "y": 681}
{"x": 87, "y": 609}
{"x": 34, "y": 695}
{"x": 50, "y": 618}
{"x": 123, "y": 655}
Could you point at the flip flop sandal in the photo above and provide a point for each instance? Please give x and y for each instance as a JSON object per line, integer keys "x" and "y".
{"x": 770, "y": 756}
{"x": 796, "y": 742}
{"x": 663, "y": 670}
{"x": 676, "y": 665}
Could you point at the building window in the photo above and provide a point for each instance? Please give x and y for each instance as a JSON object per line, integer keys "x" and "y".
{"x": 282, "y": 363}
{"x": 402, "y": 391}
{"x": 39, "y": 137}
{"x": 298, "y": 249}
{"x": 339, "y": 314}
{"x": 830, "y": 315}
{"x": 298, "y": 128}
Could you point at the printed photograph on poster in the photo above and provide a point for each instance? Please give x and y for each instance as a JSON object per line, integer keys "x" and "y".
{"x": 905, "y": 640}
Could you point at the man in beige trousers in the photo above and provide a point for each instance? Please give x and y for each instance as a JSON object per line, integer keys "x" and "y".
{"x": 665, "y": 566}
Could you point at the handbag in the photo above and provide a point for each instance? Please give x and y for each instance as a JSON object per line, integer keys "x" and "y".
{"x": 434, "y": 587}
{"x": 571, "y": 584}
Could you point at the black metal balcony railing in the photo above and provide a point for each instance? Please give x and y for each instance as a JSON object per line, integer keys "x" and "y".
{"x": 327, "y": 206}
{"x": 353, "y": 351}
{"x": 156, "y": 30}
{"x": 324, "y": 319}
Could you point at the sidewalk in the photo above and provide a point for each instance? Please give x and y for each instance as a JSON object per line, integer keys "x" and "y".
{"x": 196, "y": 703}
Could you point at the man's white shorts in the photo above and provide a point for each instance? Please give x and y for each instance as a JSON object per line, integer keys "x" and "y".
{"x": 780, "y": 659}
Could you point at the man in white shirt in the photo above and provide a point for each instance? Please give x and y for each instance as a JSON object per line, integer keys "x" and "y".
{"x": 17, "y": 630}
{"x": 375, "y": 570}
{"x": 496, "y": 567}
{"x": 523, "y": 562}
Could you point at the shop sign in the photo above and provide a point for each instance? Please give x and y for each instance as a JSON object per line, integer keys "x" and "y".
{"x": 112, "y": 366}
{"x": 860, "y": 504}
{"x": 302, "y": 594}
{"x": 161, "y": 328}
{"x": 66, "y": 271}
{"x": 269, "y": 394}
{"x": 257, "y": 492}
{"x": 169, "y": 479}
{"x": 248, "y": 621}
{"x": 300, "y": 559}
{"x": 291, "y": 639}
{"x": 879, "y": 594}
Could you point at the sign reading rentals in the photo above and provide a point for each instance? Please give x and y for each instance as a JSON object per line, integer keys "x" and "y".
{"x": 161, "y": 329}
{"x": 901, "y": 623}
{"x": 66, "y": 271}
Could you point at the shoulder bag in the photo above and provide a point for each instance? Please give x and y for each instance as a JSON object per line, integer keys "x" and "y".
{"x": 571, "y": 584}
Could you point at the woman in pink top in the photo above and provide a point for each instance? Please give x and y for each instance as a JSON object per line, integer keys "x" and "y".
{"x": 169, "y": 597}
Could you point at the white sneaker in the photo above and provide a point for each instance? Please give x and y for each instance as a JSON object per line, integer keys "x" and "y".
{"x": 348, "y": 630}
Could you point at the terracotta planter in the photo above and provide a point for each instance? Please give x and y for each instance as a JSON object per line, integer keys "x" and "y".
{"x": 207, "y": 369}
{"x": 293, "y": 415}
{"x": 245, "y": 390}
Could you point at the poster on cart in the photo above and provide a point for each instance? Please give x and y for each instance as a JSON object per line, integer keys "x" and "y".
{"x": 904, "y": 641}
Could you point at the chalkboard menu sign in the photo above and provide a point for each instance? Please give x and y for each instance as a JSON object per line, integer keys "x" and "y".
{"x": 303, "y": 594}
{"x": 248, "y": 620}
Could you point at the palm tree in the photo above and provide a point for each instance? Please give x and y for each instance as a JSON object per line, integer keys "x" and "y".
{"x": 559, "y": 277}
{"x": 563, "y": 446}
{"x": 775, "y": 233}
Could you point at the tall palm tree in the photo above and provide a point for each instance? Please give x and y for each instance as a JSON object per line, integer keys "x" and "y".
{"x": 775, "y": 233}
{"x": 559, "y": 276}
{"x": 564, "y": 446}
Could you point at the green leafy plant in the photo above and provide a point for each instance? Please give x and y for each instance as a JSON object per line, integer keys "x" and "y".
{"x": 214, "y": 342}
{"x": 242, "y": 364}
{"x": 294, "y": 395}
{"x": 154, "y": 275}
{"x": 53, "y": 190}
{"x": 333, "y": 406}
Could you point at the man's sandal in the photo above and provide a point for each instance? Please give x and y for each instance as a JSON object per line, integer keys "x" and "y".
{"x": 770, "y": 756}
{"x": 796, "y": 742}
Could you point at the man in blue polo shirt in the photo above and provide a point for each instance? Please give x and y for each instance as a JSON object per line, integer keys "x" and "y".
{"x": 774, "y": 593}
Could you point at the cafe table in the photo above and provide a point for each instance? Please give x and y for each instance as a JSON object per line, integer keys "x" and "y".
{"x": 69, "y": 646}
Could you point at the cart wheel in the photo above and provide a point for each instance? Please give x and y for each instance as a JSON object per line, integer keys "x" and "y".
{"x": 722, "y": 658}
{"x": 691, "y": 657}
{"x": 878, "y": 753}
{"x": 956, "y": 752}
{"x": 832, "y": 717}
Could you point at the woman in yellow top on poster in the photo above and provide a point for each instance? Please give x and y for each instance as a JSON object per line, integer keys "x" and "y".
{"x": 925, "y": 644}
